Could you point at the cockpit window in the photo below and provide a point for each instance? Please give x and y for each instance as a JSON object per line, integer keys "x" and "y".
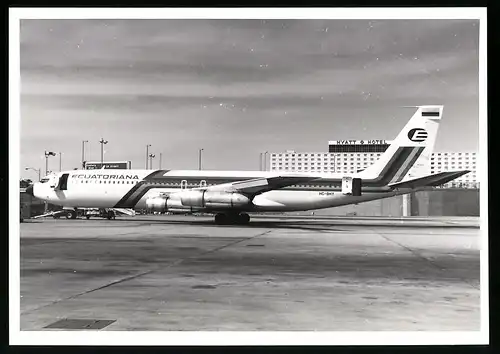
{"x": 44, "y": 180}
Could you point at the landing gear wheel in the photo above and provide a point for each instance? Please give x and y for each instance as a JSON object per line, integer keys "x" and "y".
{"x": 220, "y": 219}
{"x": 111, "y": 215}
{"x": 71, "y": 214}
{"x": 244, "y": 218}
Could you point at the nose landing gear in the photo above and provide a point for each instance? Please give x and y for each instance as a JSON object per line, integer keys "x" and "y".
{"x": 232, "y": 219}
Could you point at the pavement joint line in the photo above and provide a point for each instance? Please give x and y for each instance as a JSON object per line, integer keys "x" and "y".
{"x": 131, "y": 277}
{"x": 417, "y": 254}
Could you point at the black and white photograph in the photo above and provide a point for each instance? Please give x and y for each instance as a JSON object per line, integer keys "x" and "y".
{"x": 248, "y": 176}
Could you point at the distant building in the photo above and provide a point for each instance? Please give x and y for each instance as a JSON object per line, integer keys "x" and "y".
{"x": 344, "y": 156}
{"x": 351, "y": 156}
{"x": 450, "y": 161}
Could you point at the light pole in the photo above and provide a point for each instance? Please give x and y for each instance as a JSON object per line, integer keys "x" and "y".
{"x": 263, "y": 160}
{"x": 199, "y": 159}
{"x": 47, "y": 154}
{"x": 34, "y": 169}
{"x": 151, "y": 157}
{"x": 102, "y": 142}
{"x": 160, "y": 161}
{"x": 60, "y": 161}
{"x": 260, "y": 161}
{"x": 147, "y": 155}
{"x": 83, "y": 153}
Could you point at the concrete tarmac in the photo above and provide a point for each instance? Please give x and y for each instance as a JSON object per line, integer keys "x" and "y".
{"x": 312, "y": 274}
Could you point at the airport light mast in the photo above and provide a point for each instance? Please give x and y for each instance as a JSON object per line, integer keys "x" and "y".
{"x": 199, "y": 158}
{"x": 47, "y": 155}
{"x": 83, "y": 153}
{"x": 102, "y": 142}
{"x": 160, "y": 162}
{"x": 151, "y": 157}
{"x": 263, "y": 160}
{"x": 34, "y": 169}
{"x": 147, "y": 155}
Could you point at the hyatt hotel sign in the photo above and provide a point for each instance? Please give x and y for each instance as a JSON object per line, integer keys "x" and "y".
{"x": 359, "y": 142}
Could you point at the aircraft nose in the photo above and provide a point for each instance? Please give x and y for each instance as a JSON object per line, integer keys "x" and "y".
{"x": 29, "y": 190}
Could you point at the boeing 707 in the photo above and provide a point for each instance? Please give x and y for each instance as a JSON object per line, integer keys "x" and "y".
{"x": 231, "y": 195}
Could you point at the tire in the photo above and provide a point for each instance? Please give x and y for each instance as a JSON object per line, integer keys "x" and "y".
{"x": 220, "y": 219}
{"x": 88, "y": 217}
{"x": 71, "y": 214}
{"x": 244, "y": 218}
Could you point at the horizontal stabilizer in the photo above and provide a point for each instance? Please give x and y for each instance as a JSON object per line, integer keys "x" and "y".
{"x": 430, "y": 180}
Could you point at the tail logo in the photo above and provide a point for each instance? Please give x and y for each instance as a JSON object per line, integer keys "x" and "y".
{"x": 417, "y": 134}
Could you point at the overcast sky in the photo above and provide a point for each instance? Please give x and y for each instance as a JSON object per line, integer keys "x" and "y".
{"x": 238, "y": 87}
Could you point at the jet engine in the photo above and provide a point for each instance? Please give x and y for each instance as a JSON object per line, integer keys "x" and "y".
{"x": 163, "y": 204}
{"x": 207, "y": 199}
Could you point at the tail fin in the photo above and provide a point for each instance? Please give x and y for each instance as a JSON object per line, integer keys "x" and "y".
{"x": 414, "y": 142}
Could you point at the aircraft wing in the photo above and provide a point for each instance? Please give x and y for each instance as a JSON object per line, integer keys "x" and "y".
{"x": 430, "y": 180}
{"x": 260, "y": 185}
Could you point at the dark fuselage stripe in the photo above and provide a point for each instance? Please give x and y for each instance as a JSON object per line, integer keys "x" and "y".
{"x": 409, "y": 163}
{"x": 127, "y": 200}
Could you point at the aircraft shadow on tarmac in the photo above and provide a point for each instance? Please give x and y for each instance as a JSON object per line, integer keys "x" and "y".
{"x": 312, "y": 225}
{"x": 320, "y": 225}
{"x": 253, "y": 224}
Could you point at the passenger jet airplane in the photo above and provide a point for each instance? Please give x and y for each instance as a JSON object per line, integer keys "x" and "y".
{"x": 230, "y": 195}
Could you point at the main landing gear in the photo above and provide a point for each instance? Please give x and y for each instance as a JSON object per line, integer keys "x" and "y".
{"x": 71, "y": 214}
{"x": 232, "y": 219}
